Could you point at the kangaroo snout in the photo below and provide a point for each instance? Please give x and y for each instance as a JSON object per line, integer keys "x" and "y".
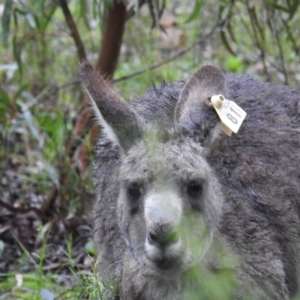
{"x": 163, "y": 215}
{"x": 163, "y": 247}
{"x": 163, "y": 238}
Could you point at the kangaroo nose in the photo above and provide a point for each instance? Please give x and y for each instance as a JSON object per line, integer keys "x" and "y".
{"x": 163, "y": 238}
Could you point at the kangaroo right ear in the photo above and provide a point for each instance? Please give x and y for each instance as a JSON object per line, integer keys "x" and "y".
{"x": 118, "y": 121}
{"x": 194, "y": 113}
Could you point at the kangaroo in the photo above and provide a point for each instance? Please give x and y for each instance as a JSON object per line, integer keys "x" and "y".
{"x": 184, "y": 211}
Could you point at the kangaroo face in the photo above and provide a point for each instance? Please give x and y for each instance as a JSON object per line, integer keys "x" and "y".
{"x": 169, "y": 206}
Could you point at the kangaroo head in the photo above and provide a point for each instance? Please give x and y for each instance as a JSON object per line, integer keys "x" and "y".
{"x": 169, "y": 202}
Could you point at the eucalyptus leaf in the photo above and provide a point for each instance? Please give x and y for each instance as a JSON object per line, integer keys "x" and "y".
{"x": 6, "y": 21}
{"x": 51, "y": 171}
{"x": 29, "y": 120}
{"x": 30, "y": 19}
{"x": 17, "y": 50}
{"x": 84, "y": 12}
{"x": 16, "y": 13}
{"x": 226, "y": 43}
{"x": 28, "y": 96}
{"x": 293, "y": 6}
{"x": 20, "y": 92}
{"x": 2, "y": 246}
{"x": 281, "y": 8}
{"x": 47, "y": 17}
{"x": 4, "y": 98}
{"x": 4, "y": 104}
{"x": 195, "y": 12}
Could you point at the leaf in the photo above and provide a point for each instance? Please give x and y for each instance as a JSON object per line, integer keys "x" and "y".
{"x": 18, "y": 11}
{"x": 48, "y": 17}
{"x": 17, "y": 49}
{"x": 4, "y": 107}
{"x": 230, "y": 31}
{"x": 4, "y": 98}
{"x": 30, "y": 19}
{"x": 195, "y": 12}
{"x": 29, "y": 120}
{"x": 293, "y": 8}
{"x": 37, "y": 22}
{"x": 51, "y": 171}
{"x": 96, "y": 10}
{"x": 280, "y": 7}
{"x": 19, "y": 93}
{"x": 226, "y": 44}
{"x": 2, "y": 246}
{"x": 234, "y": 64}
{"x": 47, "y": 295}
{"x": 6, "y": 21}
{"x": 90, "y": 248}
{"x": 83, "y": 13}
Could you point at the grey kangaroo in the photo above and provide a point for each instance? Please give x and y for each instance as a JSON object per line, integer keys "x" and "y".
{"x": 179, "y": 203}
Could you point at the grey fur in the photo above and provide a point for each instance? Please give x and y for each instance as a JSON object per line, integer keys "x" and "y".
{"x": 168, "y": 142}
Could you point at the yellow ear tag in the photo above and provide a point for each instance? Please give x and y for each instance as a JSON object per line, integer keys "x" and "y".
{"x": 231, "y": 115}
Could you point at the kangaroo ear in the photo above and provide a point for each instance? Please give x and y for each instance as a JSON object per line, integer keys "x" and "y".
{"x": 194, "y": 113}
{"x": 119, "y": 122}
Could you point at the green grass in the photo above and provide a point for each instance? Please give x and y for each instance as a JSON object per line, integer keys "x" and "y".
{"x": 40, "y": 285}
{"x": 77, "y": 285}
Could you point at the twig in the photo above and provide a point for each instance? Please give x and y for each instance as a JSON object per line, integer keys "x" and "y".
{"x": 166, "y": 61}
{"x": 74, "y": 31}
{"x": 19, "y": 210}
{"x": 132, "y": 10}
{"x": 258, "y": 42}
{"x": 24, "y": 249}
{"x": 281, "y": 56}
{"x": 291, "y": 37}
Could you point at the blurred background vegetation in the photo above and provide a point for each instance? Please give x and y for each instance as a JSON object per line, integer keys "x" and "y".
{"x": 46, "y": 133}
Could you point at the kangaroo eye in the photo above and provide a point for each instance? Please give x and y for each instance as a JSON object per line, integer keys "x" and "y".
{"x": 194, "y": 188}
{"x": 133, "y": 191}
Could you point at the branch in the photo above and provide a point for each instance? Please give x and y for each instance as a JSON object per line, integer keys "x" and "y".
{"x": 166, "y": 61}
{"x": 157, "y": 65}
{"x": 132, "y": 10}
{"x": 73, "y": 29}
{"x": 112, "y": 39}
{"x": 19, "y": 209}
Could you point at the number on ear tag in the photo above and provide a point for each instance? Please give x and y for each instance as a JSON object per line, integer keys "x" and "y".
{"x": 231, "y": 115}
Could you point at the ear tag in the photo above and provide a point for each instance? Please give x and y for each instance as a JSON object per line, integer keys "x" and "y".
{"x": 231, "y": 115}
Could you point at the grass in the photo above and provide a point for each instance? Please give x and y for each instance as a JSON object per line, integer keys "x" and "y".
{"x": 48, "y": 286}
{"x": 32, "y": 285}
{"x": 40, "y": 285}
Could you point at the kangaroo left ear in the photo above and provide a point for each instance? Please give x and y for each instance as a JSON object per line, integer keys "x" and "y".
{"x": 194, "y": 113}
{"x": 120, "y": 123}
